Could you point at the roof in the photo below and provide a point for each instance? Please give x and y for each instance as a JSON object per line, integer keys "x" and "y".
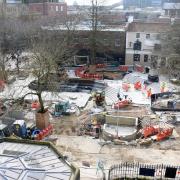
{"x": 148, "y": 27}
{"x": 85, "y": 28}
{"x": 23, "y": 159}
{"x": 171, "y": 6}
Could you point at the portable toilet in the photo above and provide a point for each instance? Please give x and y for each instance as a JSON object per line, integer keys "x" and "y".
{"x": 19, "y": 128}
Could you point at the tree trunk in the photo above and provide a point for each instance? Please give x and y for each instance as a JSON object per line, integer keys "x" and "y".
{"x": 42, "y": 110}
{"x": 17, "y": 64}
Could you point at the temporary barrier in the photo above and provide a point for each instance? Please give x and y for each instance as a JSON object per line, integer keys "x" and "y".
{"x": 45, "y": 132}
{"x": 123, "y": 68}
{"x": 100, "y": 65}
{"x": 122, "y": 104}
{"x": 143, "y": 171}
{"x": 139, "y": 68}
{"x": 125, "y": 86}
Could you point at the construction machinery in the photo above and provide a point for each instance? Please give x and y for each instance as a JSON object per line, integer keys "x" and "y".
{"x": 122, "y": 103}
{"x": 20, "y": 129}
{"x": 63, "y": 108}
{"x": 5, "y": 131}
{"x": 157, "y": 132}
{"x": 99, "y": 98}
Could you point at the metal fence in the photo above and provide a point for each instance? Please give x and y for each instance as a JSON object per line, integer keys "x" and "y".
{"x": 143, "y": 171}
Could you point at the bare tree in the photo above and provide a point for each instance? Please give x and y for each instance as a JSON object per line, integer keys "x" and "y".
{"x": 171, "y": 48}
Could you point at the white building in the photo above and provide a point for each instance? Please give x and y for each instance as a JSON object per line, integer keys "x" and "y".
{"x": 143, "y": 44}
{"x": 172, "y": 8}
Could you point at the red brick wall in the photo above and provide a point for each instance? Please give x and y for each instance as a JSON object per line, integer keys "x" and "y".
{"x": 48, "y": 8}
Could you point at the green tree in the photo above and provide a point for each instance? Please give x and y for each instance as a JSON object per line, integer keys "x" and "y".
{"x": 171, "y": 49}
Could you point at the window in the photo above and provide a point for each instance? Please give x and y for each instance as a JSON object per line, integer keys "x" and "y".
{"x": 61, "y": 8}
{"x": 117, "y": 42}
{"x": 136, "y": 57}
{"x": 137, "y": 45}
{"x": 130, "y": 44}
{"x": 57, "y": 8}
{"x": 137, "y": 35}
{"x": 147, "y": 36}
{"x": 163, "y": 62}
{"x": 145, "y": 58}
{"x": 154, "y": 61}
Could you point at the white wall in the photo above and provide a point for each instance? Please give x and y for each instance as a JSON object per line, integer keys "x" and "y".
{"x": 147, "y": 47}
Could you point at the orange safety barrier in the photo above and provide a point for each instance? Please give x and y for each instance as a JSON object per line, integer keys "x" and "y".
{"x": 40, "y": 136}
{"x": 121, "y": 104}
{"x": 125, "y": 86}
{"x": 139, "y": 68}
{"x": 137, "y": 85}
{"x": 100, "y": 65}
{"x": 45, "y": 132}
{"x": 123, "y": 68}
{"x": 79, "y": 73}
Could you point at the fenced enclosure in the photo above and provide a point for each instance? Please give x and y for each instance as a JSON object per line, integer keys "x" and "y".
{"x": 143, "y": 171}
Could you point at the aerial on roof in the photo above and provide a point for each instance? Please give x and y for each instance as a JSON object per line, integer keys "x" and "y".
{"x": 32, "y": 161}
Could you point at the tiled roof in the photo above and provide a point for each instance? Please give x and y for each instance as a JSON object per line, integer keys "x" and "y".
{"x": 148, "y": 27}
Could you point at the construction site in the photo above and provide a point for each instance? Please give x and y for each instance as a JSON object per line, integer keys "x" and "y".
{"x": 116, "y": 123}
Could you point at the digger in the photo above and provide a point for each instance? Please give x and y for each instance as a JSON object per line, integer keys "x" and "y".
{"x": 99, "y": 98}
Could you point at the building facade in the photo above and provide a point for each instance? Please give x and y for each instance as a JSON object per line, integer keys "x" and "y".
{"x": 110, "y": 46}
{"x": 48, "y": 8}
{"x": 141, "y": 3}
{"x": 172, "y": 8}
{"x": 143, "y": 44}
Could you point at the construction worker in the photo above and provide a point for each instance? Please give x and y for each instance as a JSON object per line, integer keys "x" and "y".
{"x": 163, "y": 86}
{"x": 119, "y": 97}
{"x": 149, "y": 93}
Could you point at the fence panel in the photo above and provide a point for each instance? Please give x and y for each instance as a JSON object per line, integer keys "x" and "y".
{"x": 139, "y": 171}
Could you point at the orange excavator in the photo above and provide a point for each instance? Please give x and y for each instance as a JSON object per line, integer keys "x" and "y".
{"x": 158, "y": 132}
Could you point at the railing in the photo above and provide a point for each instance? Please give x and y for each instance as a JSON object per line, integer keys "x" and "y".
{"x": 143, "y": 171}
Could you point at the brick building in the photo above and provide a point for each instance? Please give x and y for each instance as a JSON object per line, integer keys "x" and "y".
{"x": 110, "y": 44}
{"x": 47, "y": 8}
{"x": 110, "y": 47}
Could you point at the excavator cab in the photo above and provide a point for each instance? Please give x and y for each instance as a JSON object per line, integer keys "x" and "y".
{"x": 100, "y": 98}
{"x": 4, "y": 131}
